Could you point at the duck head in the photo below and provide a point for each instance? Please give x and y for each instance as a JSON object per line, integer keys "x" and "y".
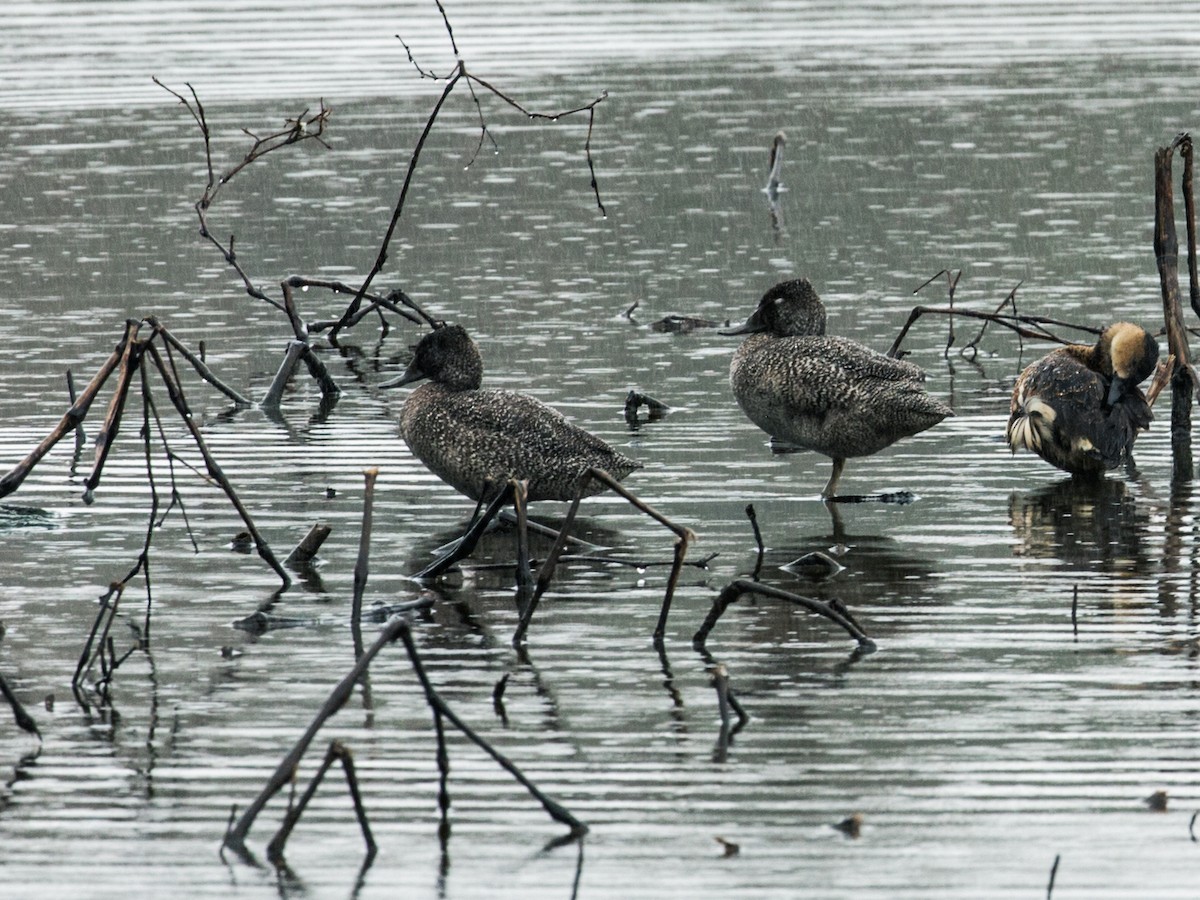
{"x": 447, "y": 356}
{"x": 790, "y": 308}
{"x": 1132, "y": 355}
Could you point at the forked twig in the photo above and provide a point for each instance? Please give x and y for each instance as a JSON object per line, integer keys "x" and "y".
{"x": 337, "y": 751}
{"x": 736, "y": 589}
{"x": 546, "y": 572}
{"x": 554, "y": 809}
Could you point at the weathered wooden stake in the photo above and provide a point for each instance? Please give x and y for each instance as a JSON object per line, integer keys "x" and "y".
{"x": 1166, "y": 254}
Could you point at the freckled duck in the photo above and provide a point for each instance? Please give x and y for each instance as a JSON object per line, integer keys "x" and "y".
{"x": 476, "y": 440}
{"x": 1079, "y": 407}
{"x": 828, "y": 394}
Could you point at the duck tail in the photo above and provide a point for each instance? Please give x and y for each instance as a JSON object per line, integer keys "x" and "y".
{"x": 1030, "y": 424}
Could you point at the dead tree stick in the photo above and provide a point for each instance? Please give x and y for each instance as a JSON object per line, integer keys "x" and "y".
{"x": 130, "y": 362}
{"x": 1013, "y": 323}
{"x": 302, "y": 554}
{"x": 737, "y": 588}
{"x": 396, "y": 301}
{"x": 1166, "y": 254}
{"x": 198, "y": 364}
{"x": 555, "y": 810}
{"x": 382, "y": 255}
{"x": 1189, "y": 208}
{"x": 546, "y": 572}
{"x": 175, "y": 392}
{"x": 235, "y": 837}
{"x": 20, "y": 715}
{"x": 337, "y": 751}
{"x": 93, "y": 647}
{"x": 151, "y": 518}
{"x": 362, "y": 563}
{"x": 283, "y": 374}
{"x": 80, "y": 437}
{"x": 70, "y": 420}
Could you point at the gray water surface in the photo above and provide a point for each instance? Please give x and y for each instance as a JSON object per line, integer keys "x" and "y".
{"x": 986, "y": 736}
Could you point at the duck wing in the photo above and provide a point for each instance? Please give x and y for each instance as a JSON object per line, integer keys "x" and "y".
{"x": 1058, "y": 410}
{"x": 475, "y": 440}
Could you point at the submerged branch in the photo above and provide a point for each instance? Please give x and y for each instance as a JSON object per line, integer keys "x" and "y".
{"x": 835, "y": 612}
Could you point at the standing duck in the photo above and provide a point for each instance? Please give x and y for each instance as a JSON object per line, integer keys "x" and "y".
{"x": 476, "y": 440}
{"x": 827, "y": 394}
{"x": 1079, "y": 407}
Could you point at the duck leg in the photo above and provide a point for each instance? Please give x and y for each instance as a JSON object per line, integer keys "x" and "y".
{"x": 830, "y": 489}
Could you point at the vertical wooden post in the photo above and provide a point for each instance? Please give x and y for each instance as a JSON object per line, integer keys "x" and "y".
{"x": 1166, "y": 253}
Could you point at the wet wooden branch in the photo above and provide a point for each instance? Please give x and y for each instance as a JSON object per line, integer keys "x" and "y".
{"x": 1014, "y": 323}
{"x": 951, "y": 284}
{"x": 285, "y": 772}
{"x": 735, "y": 590}
{"x": 175, "y": 392}
{"x": 80, "y": 436}
{"x": 362, "y": 563}
{"x": 130, "y": 361}
{"x": 1166, "y": 254}
{"x": 70, "y": 420}
{"x": 554, "y": 809}
{"x": 98, "y": 638}
{"x": 337, "y": 751}
{"x": 305, "y": 551}
{"x": 303, "y": 127}
{"x": 382, "y": 255}
{"x": 20, "y": 715}
{"x": 1189, "y": 209}
{"x": 396, "y": 301}
{"x": 546, "y": 571}
{"x": 198, "y": 364}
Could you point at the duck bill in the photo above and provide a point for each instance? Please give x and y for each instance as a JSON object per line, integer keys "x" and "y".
{"x": 1116, "y": 390}
{"x": 411, "y": 374}
{"x": 753, "y": 325}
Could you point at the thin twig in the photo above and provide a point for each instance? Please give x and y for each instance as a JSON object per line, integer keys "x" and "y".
{"x": 737, "y": 588}
{"x": 555, "y": 810}
{"x": 235, "y": 837}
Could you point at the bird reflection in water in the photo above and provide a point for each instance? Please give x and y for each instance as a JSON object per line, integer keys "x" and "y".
{"x": 1082, "y": 522}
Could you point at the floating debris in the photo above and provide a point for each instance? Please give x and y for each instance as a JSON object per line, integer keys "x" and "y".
{"x": 815, "y": 565}
{"x": 730, "y": 848}
{"x": 1157, "y": 801}
{"x": 851, "y": 826}
{"x": 675, "y": 324}
{"x": 635, "y": 400}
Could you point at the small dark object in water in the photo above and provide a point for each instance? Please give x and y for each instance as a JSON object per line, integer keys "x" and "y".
{"x": 1079, "y": 407}
{"x": 674, "y": 324}
{"x": 900, "y": 498}
{"x": 851, "y": 826}
{"x": 827, "y": 394}
{"x": 242, "y": 542}
{"x": 635, "y": 400}
{"x": 815, "y": 565}
{"x": 775, "y": 173}
{"x": 1157, "y": 801}
{"x": 730, "y": 848}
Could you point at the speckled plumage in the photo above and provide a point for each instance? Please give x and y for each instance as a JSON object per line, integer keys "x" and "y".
{"x": 1079, "y": 407}
{"x": 828, "y": 394}
{"x": 476, "y": 440}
